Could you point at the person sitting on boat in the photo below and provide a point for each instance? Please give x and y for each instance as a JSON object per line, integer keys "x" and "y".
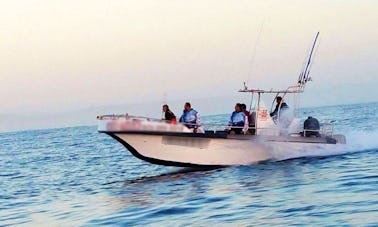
{"x": 251, "y": 122}
{"x": 280, "y": 107}
{"x": 238, "y": 121}
{"x": 246, "y": 112}
{"x": 168, "y": 114}
{"x": 191, "y": 118}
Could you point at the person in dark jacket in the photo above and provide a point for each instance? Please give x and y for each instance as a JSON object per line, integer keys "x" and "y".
{"x": 168, "y": 114}
{"x": 251, "y": 120}
{"x": 246, "y": 112}
{"x": 280, "y": 107}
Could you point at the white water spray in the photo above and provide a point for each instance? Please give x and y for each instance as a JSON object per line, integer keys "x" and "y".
{"x": 357, "y": 141}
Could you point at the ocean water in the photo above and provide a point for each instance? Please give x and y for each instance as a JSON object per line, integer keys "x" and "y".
{"x": 78, "y": 177}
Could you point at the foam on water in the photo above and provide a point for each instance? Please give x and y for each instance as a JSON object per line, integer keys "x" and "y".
{"x": 362, "y": 140}
{"x": 357, "y": 141}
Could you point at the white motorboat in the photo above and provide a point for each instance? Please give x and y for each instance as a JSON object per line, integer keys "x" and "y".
{"x": 173, "y": 144}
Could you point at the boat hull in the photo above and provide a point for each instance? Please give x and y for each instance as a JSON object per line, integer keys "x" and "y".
{"x": 189, "y": 150}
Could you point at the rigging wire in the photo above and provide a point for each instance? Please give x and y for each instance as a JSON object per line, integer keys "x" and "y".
{"x": 254, "y": 53}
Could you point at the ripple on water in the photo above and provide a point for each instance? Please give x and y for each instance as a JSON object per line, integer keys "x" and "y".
{"x": 75, "y": 176}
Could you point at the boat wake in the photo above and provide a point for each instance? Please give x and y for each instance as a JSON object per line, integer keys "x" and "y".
{"x": 357, "y": 141}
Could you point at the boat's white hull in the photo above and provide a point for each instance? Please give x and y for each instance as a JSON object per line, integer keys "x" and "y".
{"x": 200, "y": 151}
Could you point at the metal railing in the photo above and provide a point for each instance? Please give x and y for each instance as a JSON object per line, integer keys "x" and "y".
{"x": 326, "y": 129}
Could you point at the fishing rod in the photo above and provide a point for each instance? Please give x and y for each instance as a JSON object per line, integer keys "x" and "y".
{"x": 304, "y": 75}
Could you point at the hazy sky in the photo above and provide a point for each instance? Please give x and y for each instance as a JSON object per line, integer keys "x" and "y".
{"x": 66, "y": 55}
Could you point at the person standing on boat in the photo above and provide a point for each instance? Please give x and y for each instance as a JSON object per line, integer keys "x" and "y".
{"x": 280, "y": 107}
{"x": 168, "y": 114}
{"x": 191, "y": 118}
{"x": 238, "y": 120}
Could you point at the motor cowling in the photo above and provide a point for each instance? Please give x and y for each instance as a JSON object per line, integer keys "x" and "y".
{"x": 311, "y": 127}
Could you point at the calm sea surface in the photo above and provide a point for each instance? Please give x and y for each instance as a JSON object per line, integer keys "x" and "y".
{"x": 76, "y": 176}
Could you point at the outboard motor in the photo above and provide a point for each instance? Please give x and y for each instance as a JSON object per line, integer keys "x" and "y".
{"x": 311, "y": 127}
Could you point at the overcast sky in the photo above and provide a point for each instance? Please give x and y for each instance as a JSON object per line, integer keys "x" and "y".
{"x": 68, "y": 55}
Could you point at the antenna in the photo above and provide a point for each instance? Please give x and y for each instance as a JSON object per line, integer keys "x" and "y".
{"x": 252, "y": 60}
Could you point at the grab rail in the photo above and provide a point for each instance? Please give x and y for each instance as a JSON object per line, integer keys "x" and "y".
{"x": 327, "y": 127}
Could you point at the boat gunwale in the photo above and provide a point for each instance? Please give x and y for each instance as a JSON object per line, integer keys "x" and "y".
{"x": 207, "y": 134}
